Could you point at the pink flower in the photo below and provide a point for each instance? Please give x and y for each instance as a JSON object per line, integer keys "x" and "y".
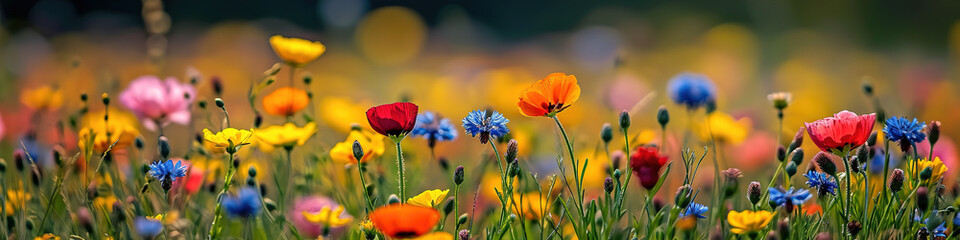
{"x": 844, "y": 129}
{"x": 157, "y": 101}
{"x": 312, "y": 204}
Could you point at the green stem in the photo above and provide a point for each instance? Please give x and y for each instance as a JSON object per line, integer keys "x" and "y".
{"x": 215, "y": 226}
{"x": 573, "y": 160}
{"x": 401, "y": 168}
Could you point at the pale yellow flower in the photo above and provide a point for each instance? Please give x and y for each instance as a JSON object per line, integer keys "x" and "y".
{"x": 287, "y": 135}
{"x": 295, "y": 51}
{"x": 121, "y": 127}
{"x": 429, "y": 198}
{"x": 327, "y": 217}
{"x": 230, "y": 138}
{"x": 748, "y": 221}
{"x": 725, "y": 129}
{"x": 371, "y": 142}
{"x": 42, "y": 98}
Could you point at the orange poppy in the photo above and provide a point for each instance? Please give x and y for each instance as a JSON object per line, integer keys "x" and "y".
{"x": 285, "y": 101}
{"x": 549, "y": 96}
{"x": 401, "y": 221}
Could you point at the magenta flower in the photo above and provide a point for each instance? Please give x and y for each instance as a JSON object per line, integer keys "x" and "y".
{"x": 157, "y": 101}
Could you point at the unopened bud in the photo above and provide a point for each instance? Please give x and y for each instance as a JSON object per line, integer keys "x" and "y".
{"x": 448, "y": 207}
{"x": 797, "y": 156}
{"x": 781, "y": 153}
{"x": 357, "y": 151}
{"x": 867, "y": 88}
{"x": 933, "y": 133}
{"x": 797, "y": 139}
{"x": 923, "y": 199}
{"x": 105, "y": 98}
{"x": 731, "y": 178}
{"x": 791, "y": 169}
{"x": 608, "y": 184}
{"x": 872, "y": 140}
{"x": 683, "y": 197}
{"x": 896, "y": 180}
{"x": 218, "y": 102}
{"x": 393, "y": 199}
{"x": 754, "y": 192}
{"x": 825, "y": 163}
{"x": 853, "y": 227}
{"x": 663, "y": 116}
{"x": 606, "y": 132}
{"x": 624, "y": 120}
{"x": 458, "y": 175}
{"x": 513, "y": 149}
{"x": 926, "y": 173}
{"x": 164, "y": 147}
{"x": 252, "y": 172}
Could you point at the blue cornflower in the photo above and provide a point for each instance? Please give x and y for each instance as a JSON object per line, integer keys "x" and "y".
{"x": 796, "y": 197}
{"x": 691, "y": 89}
{"x": 903, "y": 131}
{"x": 940, "y": 231}
{"x": 166, "y": 172}
{"x": 148, "y": 228}
{"x": 822, "y": 182}
{"x": 486, "y": 123}
{"x": 244, "y": 204}
{"x": 435, "y": 129}
{"x": 695, "y": 209}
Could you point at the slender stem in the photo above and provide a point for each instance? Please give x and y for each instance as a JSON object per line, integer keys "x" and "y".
{"x": 846, "y": 166}
{"x": 215, "y": 226}
{"x": 363, "y": 182}
{"x": 401, "y": 168}
{"x": 573, "y": 160}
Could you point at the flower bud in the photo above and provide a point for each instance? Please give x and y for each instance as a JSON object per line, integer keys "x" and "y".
{"x": 252, "y": 172}
{"x": 512, "y": 150}
{"x": 270, "y": 204}
{"x": 658, "y": 204}
{"x": 606, "y": 133}
{"x": 463, "y": 235}
{"x": 164, "y": 147}
{"x": 458, "y": 175}
{"x": 202, "y": 104}
{"x": 257, "y": 119}
{"x": 683, "y": 197}
{"x": 797, "y": 140}
{"x": 863, "y": 154}
{"x": 923, "y": 199}
{"x": 393, "y": 199}
{"x": 462, "y": 219}
{"x": 926, "y": 173}
{"x": 357, "y": 150}
{"x": 608, "y": 184}
{"x": 867, "y": 88}
{"x": 663, "y": 117}
{"x": 624, "y": 120}
{"x": 783, "y": 229}
{"x": 731, "y": 178}
{"x": 781, "y": 153}
{"x": 105, "y": 98}
{"x": 872, "y": 140}
{"x": 19, "y": 159}
{"x": 896, "y": 180}
{"x": 219, "y": 102}
{"x": 825, "y": 163}
{"x": 307, "y": 78}
{"x": 791, "y": 169}
{"x": 3, "y": 166}
{"x": 853, "y": 227}
{"x": 448, "y": 207}
{"x": 754, "y": 192}
{"x": 797, "y": 156}
{"x": 616, "y": 174}
{"x": 514, "y": 168}
{"x": 83, "y": 97}
{"x": 933, "y": 133}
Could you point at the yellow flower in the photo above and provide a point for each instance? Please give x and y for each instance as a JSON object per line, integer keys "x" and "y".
{"x": 295, "y": 51}
{"x": 725, "y": 129}
{"x": 42, "y": 98}
{"x": 429, "y": 198}
{"x": 287, "y": 135}
{"x": 230, "y": 138}
{"x": 371, "y": 142}
{"x": 341, "y": 113}
{"x": 936, "y": 166}
{"x": 366, "y": 224}
{"x": 121, "y": 129}
{"x": 16, "y": 200}
{"x": 329, "y": 218}
{"x": 47, "y": 236}
{"x": 436, "y": 236}
{"x": 748, "y": 221}
{"x": 531, "y": 205}
{"x": 104, "y": 203}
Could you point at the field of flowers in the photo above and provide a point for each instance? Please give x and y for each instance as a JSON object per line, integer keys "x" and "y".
{"x": 397, "y": 131}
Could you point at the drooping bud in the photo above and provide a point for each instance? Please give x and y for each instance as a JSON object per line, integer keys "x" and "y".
{"x": 781, "y": 153}
{"x": 731, "y": 178}
{"x": 754, "y": 192}
{"x": 684, "y": 196}
{"x": 825, "y": 164}
{"x": 357, "y": 150}
{"x": 933, "y": 134}
{"x": 105, "y": 98}
{"x": 219, "y": 102}
{"x": 393, "y": 199}
{"x": 458, "y": 175}
{"x": 462, "y": 219}
{"x": 512, "y": 150}
{"x": 797, "y": 139}
{"x": 663, "y": 116}
{"x": 257, "y": 119}
{"x": 797, "y": 156}
{"x": 608, "y": 184}
{"x": 606, "y": 132}
{"x": 448, "y": 207}
{"x": 163, "y": 146}
{"x": 896, "y": 180}
{"x": 624, "y": 120}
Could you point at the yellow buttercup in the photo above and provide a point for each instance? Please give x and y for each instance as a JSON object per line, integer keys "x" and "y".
{"x": 295, "y": 51}
{"x": 748, "y": 221}
{"x": 230, "y": 138}
{"x": 429, "y": 198}
{"x": 286, "y": 135}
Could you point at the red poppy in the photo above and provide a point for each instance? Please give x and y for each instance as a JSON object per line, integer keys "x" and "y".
{"x": 393, "y": 120}
{"x": 844, "y": 129}
{"x": 400, "y": 221}
{"x": 646, "y": 163}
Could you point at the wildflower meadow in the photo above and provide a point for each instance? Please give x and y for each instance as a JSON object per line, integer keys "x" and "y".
{"x": 403, "y": 121}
